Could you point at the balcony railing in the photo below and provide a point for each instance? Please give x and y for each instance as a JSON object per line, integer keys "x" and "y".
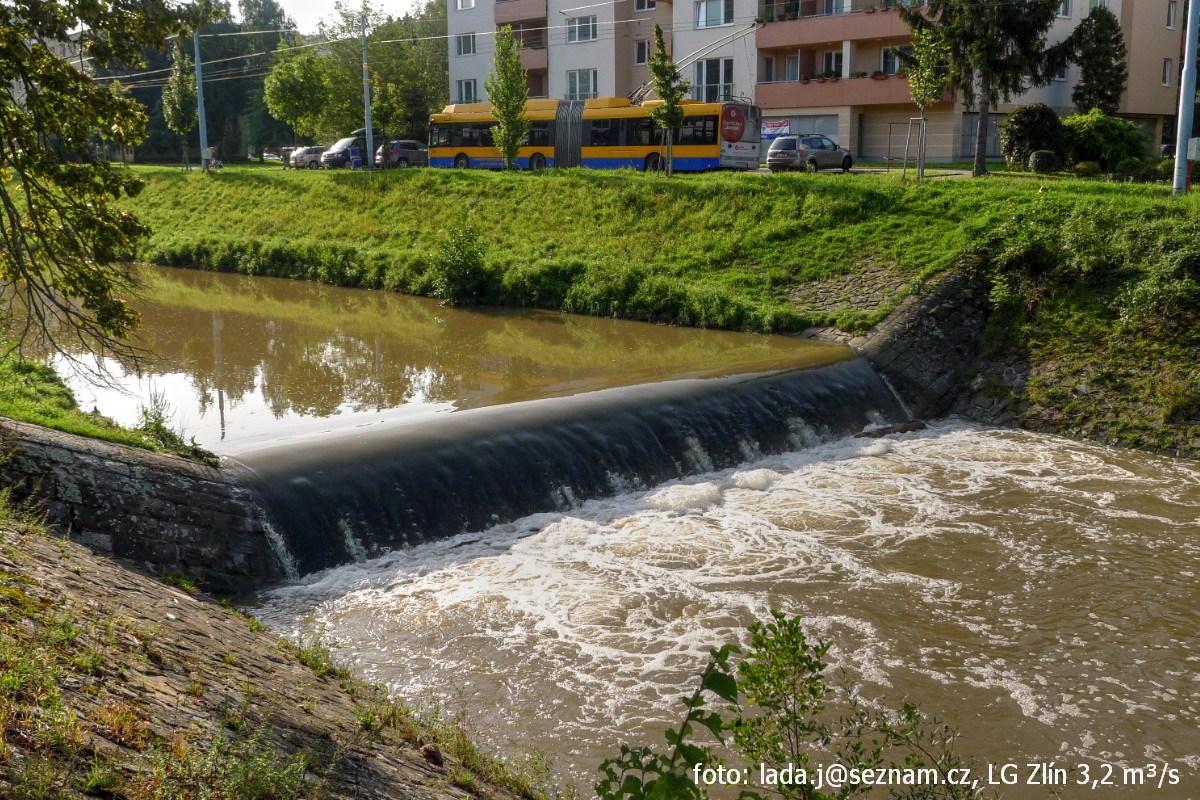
{"x": 777, "y": 10}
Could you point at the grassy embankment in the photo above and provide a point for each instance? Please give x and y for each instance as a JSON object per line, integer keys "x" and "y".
{"x": 114, "y": 685}
{"x": 1094, "y": 282}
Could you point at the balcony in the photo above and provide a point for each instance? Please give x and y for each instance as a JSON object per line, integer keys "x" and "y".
{"x": 788, "y": 25}
{"x": 510, "y": 11}
{"x": 533, "y": 58}
{"x": 844, "y": 92}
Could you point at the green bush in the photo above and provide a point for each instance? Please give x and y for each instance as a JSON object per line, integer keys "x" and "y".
{"x": 1086, "y": 169}
{"x": 457, "y": 272}
{"x": 1095, "y": 136}
{"x": 1134, "y": 170}
{"x": 1043, "y": 162}
{"x": 1028, "y": 129}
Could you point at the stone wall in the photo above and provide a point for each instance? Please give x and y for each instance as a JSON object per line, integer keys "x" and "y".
{"x": 927, "y": 345}
{"x": 163, "y": 513}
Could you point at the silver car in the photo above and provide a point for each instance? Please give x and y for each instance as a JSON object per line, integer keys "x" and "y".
{"x": 807, "y": 151}
{"x": 307, "y": 157}
{"x": 403, "y": 153}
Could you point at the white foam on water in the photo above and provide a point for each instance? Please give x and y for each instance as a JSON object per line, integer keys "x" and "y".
{"x": 1001, "y": 576}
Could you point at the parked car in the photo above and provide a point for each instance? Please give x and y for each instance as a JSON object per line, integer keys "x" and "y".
{"x": 403, "y": 153}
{"x": 307, "y": 157}
{"x": 807, "y": 151}
{"x": 338, "y": 156}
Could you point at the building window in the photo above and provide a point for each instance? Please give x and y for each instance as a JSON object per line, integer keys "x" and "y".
{"x": 581, "y": 84}
{"x": 463, "y": 5}
{"x": 466, "y": 91}
{"x": 581, "y": 29}
{"x": 1172, "y": 6}
{"x": 768, "y": 70}
{"x": 1061, "y": 75}
{"x": 836, "y": 6}
{"x": 1065, "y": 9}
{"x": 1094, "y": 3}
{"x": 464, "y": 44}
{"x": 831, "y": 62}
{"x": 1168, "y": 71}
{"x": 641, "y": 52}
{"x": 793, "y": 68}
{"x": 889, "y": 60}
{"x": 711, "y": 13}
{"x": 643, "y": 5}
{"x": 714, "y": 80}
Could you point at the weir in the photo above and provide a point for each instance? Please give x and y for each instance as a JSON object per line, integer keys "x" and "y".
{"x": 344, "y": 497}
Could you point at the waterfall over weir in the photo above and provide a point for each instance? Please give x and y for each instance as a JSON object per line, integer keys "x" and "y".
{"x": 341, "y": 498}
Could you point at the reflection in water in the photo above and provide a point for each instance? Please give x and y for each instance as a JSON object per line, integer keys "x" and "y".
{"x": 1040, "y": 593}
{"x": 242, "y": 359}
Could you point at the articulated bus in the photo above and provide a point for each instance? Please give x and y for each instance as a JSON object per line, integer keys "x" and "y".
{"x": 605, "y": 133}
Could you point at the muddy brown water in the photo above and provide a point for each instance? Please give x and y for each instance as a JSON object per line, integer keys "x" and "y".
{"x": 246, "y": 360}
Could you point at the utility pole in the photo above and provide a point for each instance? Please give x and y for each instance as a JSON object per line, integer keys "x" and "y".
{"x": 367, "y": 97}
{"x": 1187, "y": 98}
{"x": 200, "y": 103}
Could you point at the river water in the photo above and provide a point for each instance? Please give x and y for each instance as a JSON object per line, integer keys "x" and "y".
{"x": 1041, "y": 594}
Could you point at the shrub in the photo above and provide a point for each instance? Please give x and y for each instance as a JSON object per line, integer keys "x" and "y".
{"x": 457, "y": 271}
{"x": 1095, "y": 136}
{"x": 1134, "y": 169}
{"x": 1028, "y": 129}
{"x": 1043, "y": 162}
{"x": 1086, "y": 169}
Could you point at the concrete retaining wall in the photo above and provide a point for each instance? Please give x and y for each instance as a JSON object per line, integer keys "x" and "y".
{"x": 163, "y": 513}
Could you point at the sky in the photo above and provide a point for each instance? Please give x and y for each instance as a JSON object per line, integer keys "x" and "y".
{"x": 307, "y": 13}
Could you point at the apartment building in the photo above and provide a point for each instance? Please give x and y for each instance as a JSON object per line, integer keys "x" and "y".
{"x": 579, "y": 49}
{"x": 828, "y": 66}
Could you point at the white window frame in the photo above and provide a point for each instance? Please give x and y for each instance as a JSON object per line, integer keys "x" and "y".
{"x": 468, "y": 83}
{"x": 791, "y": 67}
{"x": 702, "y": 13}
{"x": 1168, "y": 71}
{"x": 724, "y": 85}
{"x": 833, "y": 7}
{"x": 1093, "y": 3}
{"x": 464, "y": 5}
{"x": 1172, "y": 14}
{"x": 1065, "y": 9}
{"x": 643, "y": 5}
{"x": 642, "y": 49}
{"x": 573, "y": 92}
{"x": 1061, "y": 75}
{"x": 467, "y": 39}
{"x": 581, "y": 29}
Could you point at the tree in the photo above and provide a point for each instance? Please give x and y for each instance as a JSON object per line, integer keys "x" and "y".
{"x": 297, "y": 92}
{"x": 997, "y": 49}
{"x": 928, "y": 76}
{"x": 64, "y": 239}
{"x": 1100, "y": 53}
{"x": 670, "y": 88}
{"x": 179, "y": 97}
{"x": 508, "y": 92}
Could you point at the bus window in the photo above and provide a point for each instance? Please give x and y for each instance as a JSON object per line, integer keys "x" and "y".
{"x": 644, "y": 133}
{"x": 539, "y": 134}
{"x": 698, "y": 130}
{"x": 600, "y": 132}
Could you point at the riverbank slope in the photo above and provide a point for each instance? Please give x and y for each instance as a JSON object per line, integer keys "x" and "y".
{"x": 113, "y": 684}
{"x": 1091, "y": 287}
